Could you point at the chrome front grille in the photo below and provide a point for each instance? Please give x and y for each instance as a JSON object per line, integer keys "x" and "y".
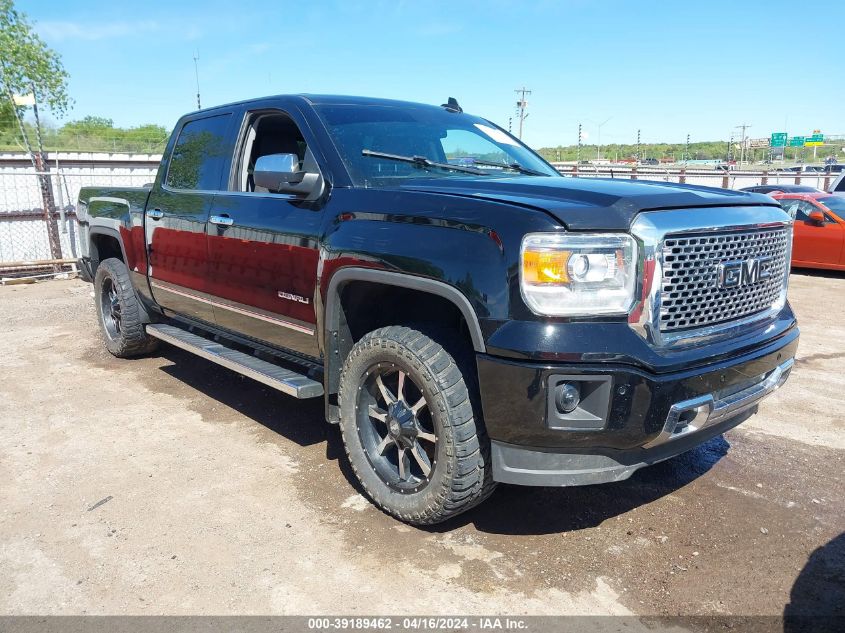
{"x": 690, "y": 294}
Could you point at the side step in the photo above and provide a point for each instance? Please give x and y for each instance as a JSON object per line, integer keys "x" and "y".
{"x": 284, "y": 380}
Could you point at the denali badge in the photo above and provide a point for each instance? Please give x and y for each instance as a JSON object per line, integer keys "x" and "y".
{"x": 293, "y": 297}
{"x": 741, "y": 273}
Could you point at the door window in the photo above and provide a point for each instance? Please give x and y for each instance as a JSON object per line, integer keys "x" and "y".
{"x": 791, "y": 207}
{"x": 803, "y": 211}
{"x": 199, "y": 155}
{"x": 269, "y": 133}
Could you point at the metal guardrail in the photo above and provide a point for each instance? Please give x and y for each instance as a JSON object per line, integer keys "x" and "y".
{"x": 730, "y": 179}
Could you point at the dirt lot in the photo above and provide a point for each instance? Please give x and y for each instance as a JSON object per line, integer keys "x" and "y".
{"x": 170, "y": 485}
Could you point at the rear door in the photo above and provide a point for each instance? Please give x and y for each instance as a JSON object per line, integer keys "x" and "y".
{"x": 813, "y": 243}
{"x": 263, "y": 246}
{"x": 177, "y": 215}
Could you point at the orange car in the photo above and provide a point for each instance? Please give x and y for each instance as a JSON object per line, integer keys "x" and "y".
{"x": 819, "y": 240}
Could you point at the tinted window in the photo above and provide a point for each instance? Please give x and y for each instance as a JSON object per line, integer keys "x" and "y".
{"x": 199, "y": 154}
{"x": 841, "y": 185}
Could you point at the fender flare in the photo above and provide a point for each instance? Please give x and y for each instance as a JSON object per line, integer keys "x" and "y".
{"x": 334, "y": 342}
{"x": 96, "y": 229}
{"x": 422, "y": 284}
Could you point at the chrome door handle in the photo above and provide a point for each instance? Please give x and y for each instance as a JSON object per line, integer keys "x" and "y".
{"x": 155, "y": 214}
{"x": 222, "y": 220}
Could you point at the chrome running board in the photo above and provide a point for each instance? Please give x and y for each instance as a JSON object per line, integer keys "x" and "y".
{"x": 279, "y": 378}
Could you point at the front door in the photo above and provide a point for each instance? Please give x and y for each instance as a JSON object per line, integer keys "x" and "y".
{"x": 816, "y": 243}
{"x": 263, "y": 246}
{"x": 177, "y": 214}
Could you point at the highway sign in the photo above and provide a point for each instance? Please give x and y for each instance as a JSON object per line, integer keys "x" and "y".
{"x": 814, "y": 140}
{"x": 796, "y": 141}
{"x": 778, "y": 139}
{"x": 756, "y": 143}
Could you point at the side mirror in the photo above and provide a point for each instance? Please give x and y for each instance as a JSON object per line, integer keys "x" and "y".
{"x": 817, "y": 218}
{"x": 281, "y": 173}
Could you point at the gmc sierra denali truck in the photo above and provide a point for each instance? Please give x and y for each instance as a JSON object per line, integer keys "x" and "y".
{"x": 468, "y": 315}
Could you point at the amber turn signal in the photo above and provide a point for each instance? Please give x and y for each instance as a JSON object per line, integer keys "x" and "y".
{"x": 545, "y": 267}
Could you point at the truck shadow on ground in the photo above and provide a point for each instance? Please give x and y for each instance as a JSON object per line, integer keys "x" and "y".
{"x": 536, "y": 511}
{"x": 818, "y": 594}
{"x": 530, "y": 511}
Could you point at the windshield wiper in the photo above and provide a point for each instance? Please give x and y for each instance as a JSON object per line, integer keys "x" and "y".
{"x": 512, "y": 166}
{"x": 425, "y": 163}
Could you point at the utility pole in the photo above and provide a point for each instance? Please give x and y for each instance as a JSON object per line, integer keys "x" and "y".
{"x": 638, "y": 146}
{"x": 197, "y": 75}
{"x": 578, "y": 157}
{"x": 39, "y": 159}
{"x": 686, "y": 151}
{"x": 598, "y": 148}
{"x": 743, "y": 127}
{"x": 521, "y": 105}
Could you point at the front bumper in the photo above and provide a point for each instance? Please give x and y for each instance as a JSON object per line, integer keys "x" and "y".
{"x": 650, "y": 417}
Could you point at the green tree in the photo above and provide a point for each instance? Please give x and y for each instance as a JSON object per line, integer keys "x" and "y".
{"x": 28, "y": 64}
{"x": 8, "y": 122}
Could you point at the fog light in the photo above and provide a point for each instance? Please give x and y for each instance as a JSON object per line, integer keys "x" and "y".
{"x": 567, "y": 397}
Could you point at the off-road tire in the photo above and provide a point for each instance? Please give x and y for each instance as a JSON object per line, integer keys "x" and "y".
{"x": 130, "y": 339}
{"x": 461, "y": 476}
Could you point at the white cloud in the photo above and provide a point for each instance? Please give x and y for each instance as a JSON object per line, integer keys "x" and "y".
{"x": 66, "y": 30}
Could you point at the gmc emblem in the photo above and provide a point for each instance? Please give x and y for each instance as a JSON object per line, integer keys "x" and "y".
{"x": 741, "y": 273}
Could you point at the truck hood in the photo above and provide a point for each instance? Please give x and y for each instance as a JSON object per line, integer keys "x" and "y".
{"x": 588, "y": 203}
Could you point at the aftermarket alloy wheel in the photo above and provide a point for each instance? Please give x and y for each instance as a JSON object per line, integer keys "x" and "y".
{"x": 408, "y": 426}
{"x": 398, "y": 437}
{"x": 120, "y": 314}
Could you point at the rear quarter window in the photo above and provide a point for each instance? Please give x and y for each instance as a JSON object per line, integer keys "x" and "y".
{"x": 199, "y": 154}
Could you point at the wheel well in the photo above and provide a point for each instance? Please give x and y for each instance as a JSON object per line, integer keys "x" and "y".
{"x": 104, "y": 247}
{"x": 369, "y": 306}
{"x": 365, "y": 306}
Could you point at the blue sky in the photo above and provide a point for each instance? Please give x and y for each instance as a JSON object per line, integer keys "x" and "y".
{"x": 668, "y": 68}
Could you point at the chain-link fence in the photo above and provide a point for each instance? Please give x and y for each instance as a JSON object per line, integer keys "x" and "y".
{"x": 35, "y": 242}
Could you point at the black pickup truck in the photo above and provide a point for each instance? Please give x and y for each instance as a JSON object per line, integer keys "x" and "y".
{"x": 468, "y": 315}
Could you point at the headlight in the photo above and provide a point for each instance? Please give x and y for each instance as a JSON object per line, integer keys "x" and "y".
{"x": 571, "y": 274}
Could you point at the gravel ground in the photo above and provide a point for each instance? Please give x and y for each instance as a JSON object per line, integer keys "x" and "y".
{"x": 168, "y": 485}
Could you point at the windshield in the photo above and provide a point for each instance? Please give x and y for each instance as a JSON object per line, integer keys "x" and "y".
{"x": 363, "y": 135}
{"x": 834, "y": 203}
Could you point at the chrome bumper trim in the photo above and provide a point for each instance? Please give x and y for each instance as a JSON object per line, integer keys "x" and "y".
{"x": 697, "y": 413}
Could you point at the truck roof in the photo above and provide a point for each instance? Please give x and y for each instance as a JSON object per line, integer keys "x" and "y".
{"x": 322, "y": 99}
